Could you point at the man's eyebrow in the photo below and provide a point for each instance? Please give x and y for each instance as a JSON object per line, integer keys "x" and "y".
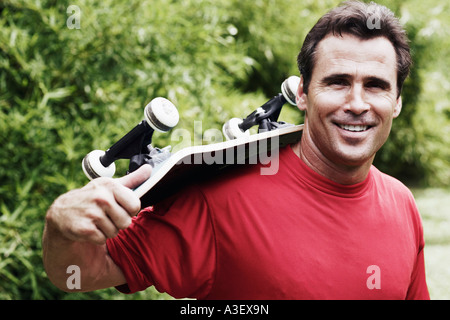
{"x": 385, "y": 84}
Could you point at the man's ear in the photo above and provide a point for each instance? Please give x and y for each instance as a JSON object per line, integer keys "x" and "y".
{"x": 301, "y": 98}
{"x": 398, "y": 107}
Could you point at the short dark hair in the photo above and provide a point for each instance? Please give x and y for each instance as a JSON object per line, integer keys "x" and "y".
{"x": 366, "y": 21}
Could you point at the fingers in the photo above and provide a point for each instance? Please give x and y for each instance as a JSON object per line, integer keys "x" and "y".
{"x": 100, "y": 209}
{"x": 136, "y": 178}
{"x": 123, "y": 194}
{"x": 88, "y": 214}
{"x": 114, "y": 207}
{"x": 126, "y": 199}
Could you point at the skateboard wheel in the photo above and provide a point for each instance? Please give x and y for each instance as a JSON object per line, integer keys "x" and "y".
{"x": 232, "y": 131}
{"x": 289, "y": 88}
{"x": 161, "y": 114}
{"x": 93, "y": 168}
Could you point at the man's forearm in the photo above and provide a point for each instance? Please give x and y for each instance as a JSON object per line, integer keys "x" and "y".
{"x": 60, "y": 252}
{"x": 92, "y": 261}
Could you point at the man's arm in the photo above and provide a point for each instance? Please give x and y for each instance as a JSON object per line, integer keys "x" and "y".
{"x": 79, "y": 222}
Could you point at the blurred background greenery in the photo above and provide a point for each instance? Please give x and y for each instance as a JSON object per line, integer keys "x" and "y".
{"x": 65, "y": 92}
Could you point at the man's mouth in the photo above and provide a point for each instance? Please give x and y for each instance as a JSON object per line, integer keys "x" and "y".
{"x": 353, "y": 128}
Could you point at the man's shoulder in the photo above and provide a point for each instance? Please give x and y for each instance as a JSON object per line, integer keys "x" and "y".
{"x": 250, "y": 174}
{"x": 389, "y": 183}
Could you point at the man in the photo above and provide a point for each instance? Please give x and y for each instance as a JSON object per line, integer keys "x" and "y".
{"x": 328, "y": 225}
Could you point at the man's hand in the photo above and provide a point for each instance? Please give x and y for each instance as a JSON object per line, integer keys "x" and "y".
{"x": 99, "y": 210}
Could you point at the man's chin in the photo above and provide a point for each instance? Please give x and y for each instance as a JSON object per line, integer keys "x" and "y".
{"x": 353, "y": 157}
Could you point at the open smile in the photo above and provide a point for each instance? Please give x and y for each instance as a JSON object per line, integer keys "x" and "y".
{"x": 354, "y": 128}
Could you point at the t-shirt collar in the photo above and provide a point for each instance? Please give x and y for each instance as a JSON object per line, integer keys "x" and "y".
{"x": 316, "y": 180}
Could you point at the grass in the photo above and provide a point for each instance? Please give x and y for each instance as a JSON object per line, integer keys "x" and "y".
{"x": 434, "y": 206}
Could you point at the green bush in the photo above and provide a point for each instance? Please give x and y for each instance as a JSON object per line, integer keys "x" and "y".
{"x": 418, "y": 149}
{"x": 65, "y": 92}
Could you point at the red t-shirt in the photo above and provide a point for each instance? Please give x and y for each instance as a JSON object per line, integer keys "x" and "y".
{"x": 292, "y": 235}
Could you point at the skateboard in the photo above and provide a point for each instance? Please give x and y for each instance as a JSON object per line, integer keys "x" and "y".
{"x": 198, "y": 163}
{"x": 172, "y": 172}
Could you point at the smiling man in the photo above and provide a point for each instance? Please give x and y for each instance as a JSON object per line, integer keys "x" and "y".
{"x": 351, "y": 102}
{"x": 328, "y": 225}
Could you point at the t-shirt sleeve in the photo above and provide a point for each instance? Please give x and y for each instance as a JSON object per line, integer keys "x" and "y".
{"x": 418, "y": 289}
{"x": 170, "y": 246}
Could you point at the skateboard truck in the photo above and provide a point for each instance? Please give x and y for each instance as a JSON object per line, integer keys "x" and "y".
{"x": 265, "y": 116}
{"x": 160, "y": 115}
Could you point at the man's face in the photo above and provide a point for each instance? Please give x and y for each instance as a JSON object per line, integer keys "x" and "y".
{"x": 352, "y": 98}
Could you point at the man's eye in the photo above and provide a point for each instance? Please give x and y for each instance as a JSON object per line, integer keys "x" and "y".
{"x": 338, "y": 82}
{"x": 375, "y": 85}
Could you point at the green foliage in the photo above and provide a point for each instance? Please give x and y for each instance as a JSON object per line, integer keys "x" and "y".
{"x": 418, "y": 149}
{"x": 65, "y": 92}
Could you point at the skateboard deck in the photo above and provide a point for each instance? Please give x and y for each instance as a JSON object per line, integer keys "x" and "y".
{"x": 197, "y": 163}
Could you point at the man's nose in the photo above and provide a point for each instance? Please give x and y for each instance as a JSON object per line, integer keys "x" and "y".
{"x": 356, "y": 102}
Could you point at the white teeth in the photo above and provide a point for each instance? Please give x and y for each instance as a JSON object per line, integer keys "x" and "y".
{"x": 357, "y": 128}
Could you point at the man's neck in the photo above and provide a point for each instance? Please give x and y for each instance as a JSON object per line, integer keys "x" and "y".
{"x": 343, "y": 174}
